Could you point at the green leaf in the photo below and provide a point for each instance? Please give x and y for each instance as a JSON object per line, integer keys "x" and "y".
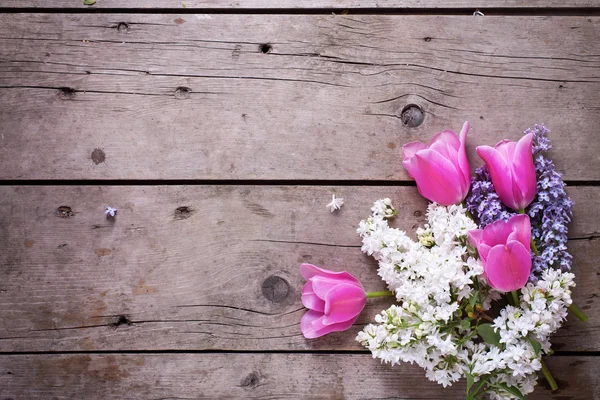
{"x": 472, "y": 301}
{"x": 487, "y": 333}
{"x": 512, "y": 390}
{"x": 537, "y": 346}
{"x": 465, "y": 324}
{"x": 470, "y": 382}
{"x": 89, "y": 2}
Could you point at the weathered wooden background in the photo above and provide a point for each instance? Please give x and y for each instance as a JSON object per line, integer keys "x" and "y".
{"x": 219, "y": 130}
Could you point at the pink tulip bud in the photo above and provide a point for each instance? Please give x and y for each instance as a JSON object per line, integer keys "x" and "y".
{"x": 334, "y": 301}
{"x": 512, "y": 170}
{"x": 441, "y": 170}
{"x": 504, "y": 249}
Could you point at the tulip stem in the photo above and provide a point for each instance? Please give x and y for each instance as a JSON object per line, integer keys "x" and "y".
{"x": 534, "y": 248}
{"x": 384, "y": 293}
{"x": 548, "y": 376}
{"x": 515, "y": 298}
{"x": 578, "y": 313}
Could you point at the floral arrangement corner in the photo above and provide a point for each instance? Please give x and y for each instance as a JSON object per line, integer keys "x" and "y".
{"x": 498, "y": 238}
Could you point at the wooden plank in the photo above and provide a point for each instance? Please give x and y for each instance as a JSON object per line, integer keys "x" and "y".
{"x": 470, "y": 5}
{"x": 132, "y": 96}
{"x": 251, "y": 376}
{"x": 183, "y": 267}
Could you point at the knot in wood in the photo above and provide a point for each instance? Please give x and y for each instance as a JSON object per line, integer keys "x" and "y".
{"x": 98, "y": 156}
{"x": 123, "y": 27}
{"x": 66, "y": 93}
{"x": 182, "y": 93}
{"x": 265, "y": 48}
{"x": 412, "y": 116}
{"x": 64, "y": 212}
{"x": 275, "y": 288}
{"x": 251, "y": 380}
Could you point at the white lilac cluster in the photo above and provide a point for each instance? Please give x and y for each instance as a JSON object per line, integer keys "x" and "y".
{"x": 435, "y": 279}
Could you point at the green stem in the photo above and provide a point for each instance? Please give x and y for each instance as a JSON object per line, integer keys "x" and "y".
{"x": 534, "y": 248}
{"x": 548, "y": 376}
{"x": 521, "y": 211}
{"x": 515, "y": 298}
{"x": 384, "y": 293}
{"x": 578, "y": 313}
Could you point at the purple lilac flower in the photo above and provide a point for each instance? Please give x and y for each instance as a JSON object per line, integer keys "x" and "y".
{"x": 550, "y": 211}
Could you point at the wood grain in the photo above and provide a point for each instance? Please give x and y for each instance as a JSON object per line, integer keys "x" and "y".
{"x": 183, "y": 267}
{"x": 252, "y": 376}
{"x": 133, "y": 96}
{"x": 300, "y": 4}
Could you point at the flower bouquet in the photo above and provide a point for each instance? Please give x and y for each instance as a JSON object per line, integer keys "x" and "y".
{"x": 486, "y": 280}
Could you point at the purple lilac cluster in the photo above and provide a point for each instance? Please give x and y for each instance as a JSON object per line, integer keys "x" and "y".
{"x": 550, "y": 211}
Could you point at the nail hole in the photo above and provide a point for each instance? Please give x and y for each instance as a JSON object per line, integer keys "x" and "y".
{"x": 123, "y": 320}
{"x": 265, "y": 48}
{"x": 183, "y": 212}
{"x": 427, "y": 39}
{"x": 66, "y": 93}
{"x": 98, "y": 156}
{"x": 123, "y": 27}
{"x": 412, "y": 116}
{"x": 275, "y": 288}
{"x": 64, "y": 212}
{"x": 251, "y": 380}
{"x": 182, "y": 93}
{"x": 417, "y": 213}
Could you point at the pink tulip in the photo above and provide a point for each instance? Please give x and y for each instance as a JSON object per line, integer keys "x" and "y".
{"x": 333, "y": 299}
{"x": 505, "y": 253}
{"x": 512, "y": 171}
{"x": 441, "y": 170}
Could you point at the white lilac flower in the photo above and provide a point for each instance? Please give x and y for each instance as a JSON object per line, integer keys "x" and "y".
{"x": 336, "y": 203}
{"x": 431, "y": 277}
{"x": 110, "y": 211}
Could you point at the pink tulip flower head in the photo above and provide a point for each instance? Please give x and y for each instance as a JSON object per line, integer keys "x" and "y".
{"x": 334, "y": 301}
{"x": 512, "y": 170}
{"x": 504, "y": 249}
{"x": 441, "y": 169}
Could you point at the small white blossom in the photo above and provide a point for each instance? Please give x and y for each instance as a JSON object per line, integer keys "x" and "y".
{"x": 336, "y": 203}
{"x": 110, "y": 211}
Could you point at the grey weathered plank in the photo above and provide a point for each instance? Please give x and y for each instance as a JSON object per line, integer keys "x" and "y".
{"x": 192, "y": 279}
{"x": 324, "y": 103}
{"x": 255, "y": 376}
{"x": 291, "y": 4}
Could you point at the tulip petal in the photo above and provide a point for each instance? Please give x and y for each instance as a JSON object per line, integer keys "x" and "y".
{"x": 500, "y": 173}
{"x": 446, "y": 143}
{"x": 343, "y": 302}
{"x": 319, "y": 329}
{"x": 437, "y": 178}
{"x": 475, "y": 236}
{"x": 306, "y": 324}
{"x": 508, "y": 266}
{"x": 410, "y": 149}
{"x": 321, "y": 285}
{"x": 521, "y": 230}
{"x": 310, "y": 300}
{"x": 463, "y": 161}
{"x": 524, "y": 170}
{"x": 308, "y": 271}
{"x": 497, "y": 233}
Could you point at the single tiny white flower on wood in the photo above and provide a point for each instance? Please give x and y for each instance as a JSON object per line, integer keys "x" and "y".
{"x": 336, "y": 203}
{"x": 110, "y": 211}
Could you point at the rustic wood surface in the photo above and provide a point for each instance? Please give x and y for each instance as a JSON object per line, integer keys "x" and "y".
{"x": 137, "y": 96}
{"x": 256, "y": 376}
{"x": 189, "y": 267}
{"x": 469, "y": 5}
{"x": 193, "y": 291}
